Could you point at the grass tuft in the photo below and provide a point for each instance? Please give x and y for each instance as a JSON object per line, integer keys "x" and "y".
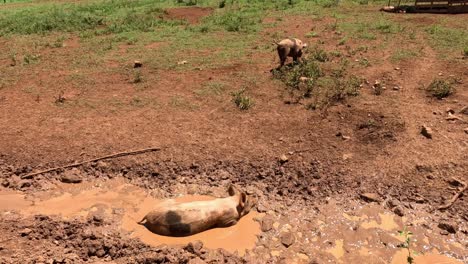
{"x": 440, "y": 88}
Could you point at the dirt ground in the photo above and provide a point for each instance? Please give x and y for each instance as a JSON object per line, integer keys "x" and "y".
{"x": 350, "y": 178}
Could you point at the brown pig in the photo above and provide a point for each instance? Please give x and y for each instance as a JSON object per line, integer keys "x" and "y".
{"x": 290, "y": 47}
{"x": 185, "y": 219}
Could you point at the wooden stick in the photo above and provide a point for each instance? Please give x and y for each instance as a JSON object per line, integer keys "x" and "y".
{"x": 115, "y": 155}
{"x": 454, "y": 198}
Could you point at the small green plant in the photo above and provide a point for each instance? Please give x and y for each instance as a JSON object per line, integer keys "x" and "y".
{"x": 242, "y": 101}
{"x": 320, "y": 55}
{"x": 13, "y": 58}
{"x": 465, "y": 52}
{"x": 30, "y": 58}
{"x": 311, "y": 34}
{"x": 407, "y": 244}
{"x": 137, "y": 78}
{"x": 440, "y": 88}
{"x": 364, "y": 62}
{"x": 342, "y": 41}
{"x": 187, "y": 2}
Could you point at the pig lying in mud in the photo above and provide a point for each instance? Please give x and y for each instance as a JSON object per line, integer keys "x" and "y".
{"x": 185, "y": 219}
{"x": 290, "y": 47}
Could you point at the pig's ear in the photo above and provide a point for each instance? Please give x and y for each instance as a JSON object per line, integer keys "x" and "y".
{"x": 232, "y": 190}
{"x": 243, "y": 200}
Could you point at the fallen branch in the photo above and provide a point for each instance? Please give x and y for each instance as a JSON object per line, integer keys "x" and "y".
{"x": 454, "y": 198}
{"x": 115, "y": 155}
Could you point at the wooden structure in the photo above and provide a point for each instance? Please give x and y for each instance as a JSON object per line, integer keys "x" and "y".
{"x": 434, "y": 6}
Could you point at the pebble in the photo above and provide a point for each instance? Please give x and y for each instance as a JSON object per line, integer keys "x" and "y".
{"x": 426, "y": 131}
{"x": 25, "y": 232}
{"x": 287, "y": 239}
{"x": 267, "y": 224}
{"x": 370, "y": 197}
{"x": 447, "y": 226}
{"x": 137, "y": 64}
{"x": 399, "y": 211}
{"x": 71, "y": 176}
{"x": 283, "y": 159}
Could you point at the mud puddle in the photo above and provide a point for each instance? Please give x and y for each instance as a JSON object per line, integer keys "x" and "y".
{"x": 126, "y": 204}
{"x": 359, "y": 234}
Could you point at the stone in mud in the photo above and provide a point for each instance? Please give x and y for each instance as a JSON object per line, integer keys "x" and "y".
{"x": 370, "y": 197}
{"x": 71, "y": 176}
{"x": 194, "y": 247}
{"x": 399, "y": 211}
{"x": 24, "y": 184}
{"x": 196, "y": 260}
{"x": 426, "y": 131}
{"x": 5, "y": 183}
{"x": 464, "y": 110}
{"x": 449, "y": 227}
{"x": 283, "y": 159}
{"x": 466, "y": 130}
{"x": 267, "y": 224}
{"x": 25, "y": 232}
{"x": 287, "y": 239}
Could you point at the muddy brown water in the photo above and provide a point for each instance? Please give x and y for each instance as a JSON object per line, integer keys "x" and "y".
{"x": 330, "y": 236}
{"x": 79, "y": 200}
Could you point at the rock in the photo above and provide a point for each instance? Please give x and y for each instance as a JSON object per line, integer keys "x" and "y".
{"x": 399, "y": 211}
{"x": 5, "y": 183}
{"x": 24, "y": 184}
{"x": 137, "y": 64}
{"x": 426, "y": 131}
{"x": 25, "y": 232}
{"x": 397, "y": 69}
{"x": 449, "y": 227}
{"x": 194, "y": 247}
{"x": 287, "y": 239}
{"x": 464, "y": 110}
{"x": 393, "y": 203}
{"x": 449, "y": 111}
{"x": 466, "y": 130}
{"x": 261, "y": 208}
{"x": 276, "y": 225}
{"x": 196, "y": 260}
{"x": 182, "y": 62}
{"x": 396, "y": 88}
{"x": 370, "y": 197}
{"x": 267, "y": 224}
{"x": 452, "y": 117}
{"x": 71, "y": 176}
{"x": 283, "y": 159}
{"x": 304, "y": 79}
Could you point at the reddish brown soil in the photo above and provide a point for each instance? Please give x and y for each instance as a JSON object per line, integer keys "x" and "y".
{"x": 202, "y": 139}
{"x": 191, "y": 14}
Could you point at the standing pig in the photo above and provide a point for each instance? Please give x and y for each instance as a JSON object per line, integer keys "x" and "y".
{"x": 185, "y": 219}
{"x": 290, "y": 47}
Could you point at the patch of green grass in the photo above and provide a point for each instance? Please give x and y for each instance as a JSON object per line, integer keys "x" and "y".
{"x": 104, "y": 17}
{"x": 448, "y": 39}
{"x": 319, "y": 54}
{"x": 211, "y": 88}
{"x": 367, "y": 35}
{"x": 30, "y": 58}
{"x": 403, "y": 54}
{"x": 182, "y": 103}
{"x": 440, "y": 88}
{"x": 137, "y": 77}
{"x": 241, "y": 100}
{"x": 321, "y": 83}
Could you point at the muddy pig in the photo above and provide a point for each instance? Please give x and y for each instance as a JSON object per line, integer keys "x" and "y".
{"x": 185, "y": 219}
{"x": 290, "y": 47}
